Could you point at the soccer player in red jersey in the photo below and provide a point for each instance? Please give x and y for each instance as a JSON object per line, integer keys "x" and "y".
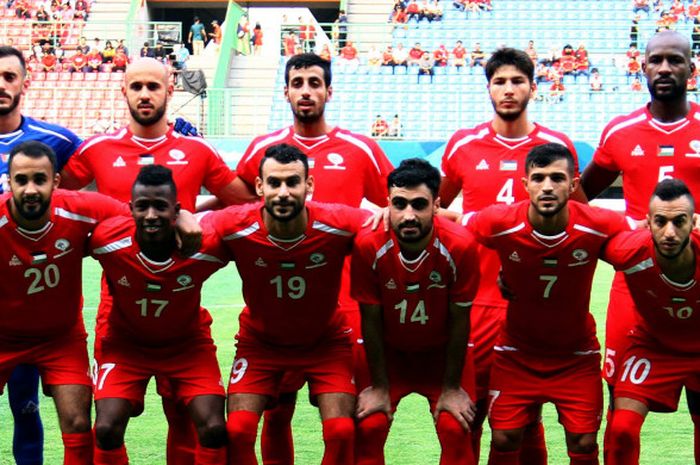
{"x": 154, "y": 325}
{"x": 44, "y": 232}
{"x": 547, "y": 350}
{"x": 484, "y": 163}
{"x": 415, "y": 284}
{"x": 347, "y": 168}
{"x": 657, "y": 141}
{"x": 661, "y": 269}
{"x": 113, "y": 161}
{"x": 290, "y": 257}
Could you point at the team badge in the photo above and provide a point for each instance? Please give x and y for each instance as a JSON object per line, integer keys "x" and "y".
{"x": 317, "y": 259}
{"x": 580, "y": 256}
{"x": 62, "y": 244}
{"x": 185, "y": 282}
{"x": 178, "y": 157}
{"x": 336, "y": 161}
{"x": 5, "y": 157}
{"x": 436, "y": 278}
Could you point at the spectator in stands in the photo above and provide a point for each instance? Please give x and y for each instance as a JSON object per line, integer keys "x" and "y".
{"x": 326, "y": 53}
{"x": 342, "y": 25}
{"x": 692, "y": 84}
{"x": 425, "y": 66}
{"x": 146, "y": 50}
{"x": 83, "y": 46}
{"x": 108, "y": 52}
{"x": 413, "y": 11}
{"x": 636, "y": 85}
{"x": 257, "y": 39}
{"x": 97, "y": 45}
{"x": 34, "y": 64}
{"x": 434, "y": 11}
{"x": 415, "y": 54}
{"x": 634, "y": 69}
{"x": 374, "y": 58}
{"x": 695, "y": 37}
{"x": 78, "y": 62}
{"x": 398, "y": 5}
{"x": 441, "y": 55}
{"x": 395, "y": 129}
{"x": 94, "y": 59}
{"x": 121, "y": 59}
{"x": 388, "y": 58}
{"x": 348, "y": 54}
{"x": 693, "y": 10}
{"x": 23, "y": 9}
{"x": 400, "y": 56}
{"x": 41, "y": 14}
{"x": 581, "y": 62}
{"x": 640, "y": 5}
{"x": 460, "y": 5}
{"x": 380, "y": 128}
{"x": 632, "y": 52}
{"x": 196, "y": 37}
{"x": 459, "y": 55}
{"x": 556, "y": 91}
{"x": 531, "y": 52}
{"x": 566, "y": 62}
{"x": 290, "y": 44}
{"x": 80, "y": 10}
{"x": 478, "y": 57}
{"x": 216, "y": 34}
{"x": 596, "y": 82}
{"x": 49, "y": 61}
{"x": 160, "y": 54}
{"x": 665, "y": 22}
{"x": 122, "y": 47}
{"x": 307, "y": 34}
{"x": 658, "y": 5}
{"x": 541, "y": 72}
{"x": 484, "y": 5}
{"x": 677, "y": 11}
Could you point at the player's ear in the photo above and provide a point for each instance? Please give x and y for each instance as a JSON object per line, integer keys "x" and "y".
{"x": 574, "y": 184}
{"x": 131, "y": 206}
{"x": 524, "y": 181}
{"x": 258, "y": 186}
{"x": 330, "y": 93}
{"x": 178, "y": 207}
{"x": 286, "y": 93}
{"x": 310, "y": 184}
{"x": 56, "y": 180}
{"x": 436, "y": 204}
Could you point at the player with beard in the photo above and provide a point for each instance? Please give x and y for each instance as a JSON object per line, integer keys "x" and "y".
{"x": 661, "y": 269}
{"x": 484, "y": 163}
{"x": 547, "y": 350}
{"x": 15, "y": 128}
{"x": 290, "y": 255}
{"x": 347, "y": 168}
{"x": 44, "y": 231}
{"x": 113, "y": 161}
{"x": 657, "y": 141}
{"x": 415, "y": 284}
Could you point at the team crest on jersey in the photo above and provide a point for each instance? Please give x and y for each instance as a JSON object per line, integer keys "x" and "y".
{"x": 637, "y": 151}
{"x": 695, "y": 147}
{"x": 119, "y": 162}
{"x": 336, "y": 162}
{"x": 514, "y": 257}
{"x": 436, "y": 278}
{"x": 62, "y": 244}
{"x": 185, "y": 282}
{"x": 317, "y": 259}
{"x": 482, "y": 166}
{"x": 14, "y": 261}
{"x": 5, "y": 157}
{"x": 178, "y": 157}
{"x": 391, "y": 284}
{"x": 260, "y": 262}
{"x": 581, "y": 257}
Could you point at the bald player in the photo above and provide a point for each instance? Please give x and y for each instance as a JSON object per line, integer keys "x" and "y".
{"x": 113, "y": 162}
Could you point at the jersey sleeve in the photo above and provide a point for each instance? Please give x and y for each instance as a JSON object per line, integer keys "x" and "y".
{"x": 448, "y": 161}
{"x": 218, "y": 174}
{"x": 102, "y": 207}
{"x": 480, "y": 225}
{"x": 249, "y": 165}
{"x": 66, "y": 148}
{"x": 617, "y": 252}
{"x": 467, "y": 277}
{"x": 375, "y": 188}
{"x": 604, "y": 155}
{"x": 364, "y": 283}
{"x": 79, "y": 166}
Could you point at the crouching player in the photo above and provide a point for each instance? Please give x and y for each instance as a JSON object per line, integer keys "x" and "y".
{"x": 415, "y": 284}
{"x": 661, "y": 267}
{"x": 154, "y": 328}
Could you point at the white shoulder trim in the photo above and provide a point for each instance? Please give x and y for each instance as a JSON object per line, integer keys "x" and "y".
{"x": 206, "y": 258}
{"x": 243, "y": 232}
{"x": 97, "y": 140}
{"x": 361, "y": 145}
{"x": 113, "y": 246}
{"x": 265, "y": 142}
{"x": 509, "y": 231}
{"x": 3, "y": 221}
{"x": 641, "y": 266}
{"x": 588, "y": 230}
{"x": 551, "y": 138}
{"x": 73, "y": 216}
{"x": 330, "y": 229}
{"x": 623, "y": 125}
{"x": 382, "y": 251}
{"x": 446, "y": 253}
{"x": 467, "y": 139}
{"x": 49, "y": 131}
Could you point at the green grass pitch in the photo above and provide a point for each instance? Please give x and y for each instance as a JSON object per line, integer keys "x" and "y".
{"x": 666, "y": 438}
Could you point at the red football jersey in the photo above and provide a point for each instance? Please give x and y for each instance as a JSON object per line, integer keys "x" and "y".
{"x": 347, "y": 167}
{"x": 667, "y": 309}
{"x": 156, "y": 304}
{"x": 647, "y": 151}
{"x": 114, "y": 161}
{"x": 415, "y": 295}
{"x": 41, "y": 270}
{"x": 290, "y": 287}
{"x": 551, "y": 276}
{"x": 489, "y": 168}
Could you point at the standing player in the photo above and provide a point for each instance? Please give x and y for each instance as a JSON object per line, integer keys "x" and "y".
{"x": 290, "y": 257}
{"x": 347, "y": 168}
{"x": 661, "y": 268}
{"x": 154, "y": 327}
{"x": 657, "y": 141}
{"x": 415, "y": 285}
{"x": 113, "y": 162}
{"x": 44, "y": 232}
{"x": 547, "y": 350}
{"x": 15, "y": 128}
{"x": 483, "y": 163}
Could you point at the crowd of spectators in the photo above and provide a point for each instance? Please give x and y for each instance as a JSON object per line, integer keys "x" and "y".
{"x": 405, "y": 11}
{"x": 51, "y": 10}
{"x": 86, "y": 58}
{"x": 473, "y": 6}
{"x": 381, "y": 129}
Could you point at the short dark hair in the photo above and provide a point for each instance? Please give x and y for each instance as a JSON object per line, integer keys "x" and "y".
{"x": 546, "y": 154}
{"x": 7, "y": 51}
{"x": 307, "y": 60}
{"x": 156, "y": 175}
{"x": 33, "y": 149}
{"x": 413, "y": 172}
{"x": 284, "y": 153}
{"x": 672, "y": 189}
{"x": 513, "y": 57}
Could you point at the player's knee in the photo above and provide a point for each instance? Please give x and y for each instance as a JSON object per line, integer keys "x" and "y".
{"x": 375, "y": 425}
{"x": 581, "y": 443}
{"x": 449, "y": 430}
{"x": 109, "y": 435}
{"x": 242, "y": 428}
{"x": 281, "y": 415}
{"x": 506, "y": 440}
{"x": 624, "y": 429}
{"x": 78, "y": 422}
{"x": 213, "y": 434}
{"x": 341, "y": 430}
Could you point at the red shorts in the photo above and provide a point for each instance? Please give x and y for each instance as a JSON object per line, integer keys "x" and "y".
{"x": 571, "y": 383}
{"x": 61, "y": 360}
{"x": 486, "y": 322}
{"x": 620, "y": 320}
{"x": 654, "y": 376}
{"x": 420, "y": 372}
{"x": 259, "y": 368}
{"x": 123, "y": 371}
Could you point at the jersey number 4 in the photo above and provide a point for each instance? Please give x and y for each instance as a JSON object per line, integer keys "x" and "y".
{"x": 505, "y": 195}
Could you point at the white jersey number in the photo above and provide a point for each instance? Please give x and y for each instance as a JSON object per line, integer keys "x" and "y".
{"x": 550, "y": 280}
{"x": 146, "y": 303}
{"x": 296, "y": 287}
{"x": 637, "y": 370}
{"x": 665, "y": 172}
{"x": 419, "y": 314}
{"x": 682, "y": 313}
{"x": 505, "y": 195}
{"x": 41, "y": 280}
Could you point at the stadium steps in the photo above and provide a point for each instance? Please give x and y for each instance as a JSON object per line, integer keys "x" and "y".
{"x": 114, "y": 12}
{"x": 253, "y": 78}
{"x": 372, "y": 15}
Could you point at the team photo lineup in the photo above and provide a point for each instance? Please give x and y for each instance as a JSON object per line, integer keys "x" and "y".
{"x": 482, "y": 309}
